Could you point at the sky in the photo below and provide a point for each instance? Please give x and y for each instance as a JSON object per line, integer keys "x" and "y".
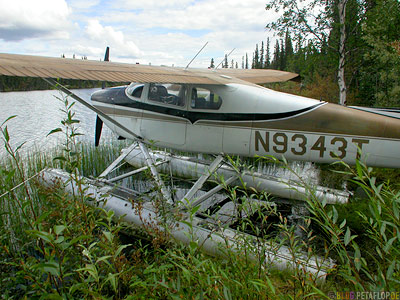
{"x": 157, "y": 32}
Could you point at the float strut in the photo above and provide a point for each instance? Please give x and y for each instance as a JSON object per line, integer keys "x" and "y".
{"x": 149, "y": 161}
{"x": 213, "y": 191}
{"x": 199, "y": 183}
{"x": 123, "y": 176}
{"x": 118, "y": 160}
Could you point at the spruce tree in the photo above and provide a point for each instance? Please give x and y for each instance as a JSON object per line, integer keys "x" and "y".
{"x": 212, "y": 65}
{"x": 256, "y": 59}
{"x": 267, "y": 63}
{"x": 282, "y": 56}
{"x": 261, "y": 61}
{"x": 276, "y": 60}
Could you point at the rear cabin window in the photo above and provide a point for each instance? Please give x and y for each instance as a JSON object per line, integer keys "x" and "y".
{"x": 205, "y": 99}
{"x": 172, "y": 94}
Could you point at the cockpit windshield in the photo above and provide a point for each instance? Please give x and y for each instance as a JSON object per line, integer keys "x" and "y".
{"x": 135, "y": 90}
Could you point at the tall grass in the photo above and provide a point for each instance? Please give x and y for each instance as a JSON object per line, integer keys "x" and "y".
{"x": 56, "y": 246}
{"x": 368, "y": 259}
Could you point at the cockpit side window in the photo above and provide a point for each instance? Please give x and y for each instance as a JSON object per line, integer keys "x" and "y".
{"x": 205, "y": 99}
{"x": 172, "y": 94}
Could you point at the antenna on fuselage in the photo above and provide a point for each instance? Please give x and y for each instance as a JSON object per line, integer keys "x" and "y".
{"x": 196, "y": 55}
{"x": 224, "y": 58}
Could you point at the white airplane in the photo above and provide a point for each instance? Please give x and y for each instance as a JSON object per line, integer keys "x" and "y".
{"x": 213, "y": 111}
{"x": 224, "y": 111}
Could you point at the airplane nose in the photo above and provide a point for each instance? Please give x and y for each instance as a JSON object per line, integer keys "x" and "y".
{"x": 101, "y": 96}
{"x": 111, "y": 96}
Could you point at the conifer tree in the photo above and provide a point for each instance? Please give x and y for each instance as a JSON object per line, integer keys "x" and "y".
{"x": 225, "y": 64}
{"x": 247, "y": 61}
{"x": 282, "y": 57}
{"x": 276, "y": 59}
{"x": 256, "y": 59}
{"x": 288, "y": 51}
{"x": 261, "y": 61}
{"x": 267, "y": 62}
{"x": 288, "y": 44}
{"x": 212, "y": 64}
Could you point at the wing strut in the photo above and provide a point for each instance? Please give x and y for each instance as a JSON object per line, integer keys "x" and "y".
{"x": 196, "y": 56}
{"x": 224, "y": 58}
{"x": 143, "y": 148}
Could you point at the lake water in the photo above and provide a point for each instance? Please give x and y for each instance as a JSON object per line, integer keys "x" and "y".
{"x": 39, "y": 112}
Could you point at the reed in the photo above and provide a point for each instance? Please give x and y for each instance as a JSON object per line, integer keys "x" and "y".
{"x": 55, "y": 245}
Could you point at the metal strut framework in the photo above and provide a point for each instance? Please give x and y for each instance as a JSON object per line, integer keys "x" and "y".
{"x": 143, "y": 148}
{"x": 199, "y": 183}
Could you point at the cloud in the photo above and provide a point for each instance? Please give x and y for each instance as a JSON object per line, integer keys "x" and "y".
{"x": 194, "y": 15}
{"x": 181, "y": 27}
{"x": 150, "y": 4}
{"x": 108, "y": 36}
{"x": 23, "y": 19}
{"x": 83, "y": 5}
{"x": 160, "y": 32}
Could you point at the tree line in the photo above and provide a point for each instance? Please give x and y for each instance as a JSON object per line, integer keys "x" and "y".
{"x": 352, "y": 46}
{"x": 355, "y": 43}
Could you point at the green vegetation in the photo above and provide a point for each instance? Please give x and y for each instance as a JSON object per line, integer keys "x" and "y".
{"x": 360, "y": 46}
{"x": 57, "y": 246}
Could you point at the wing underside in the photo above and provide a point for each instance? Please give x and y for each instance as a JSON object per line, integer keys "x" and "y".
{"x": 49, "y": 67}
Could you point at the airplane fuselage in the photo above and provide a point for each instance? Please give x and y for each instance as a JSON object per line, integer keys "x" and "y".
{"x": 250, "y": 120}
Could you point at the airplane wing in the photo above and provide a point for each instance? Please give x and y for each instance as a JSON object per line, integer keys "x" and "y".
{"x": 258, "y": 76}
{"x": 50, "y": 67}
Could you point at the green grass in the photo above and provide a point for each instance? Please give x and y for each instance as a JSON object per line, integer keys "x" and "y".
{"x": 56, "y": 246}
{"x": 60, "y": 246}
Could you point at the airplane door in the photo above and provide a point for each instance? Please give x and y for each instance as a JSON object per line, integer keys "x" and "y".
{"x": 203, "y": 133}
{"x": 163, "y": 119}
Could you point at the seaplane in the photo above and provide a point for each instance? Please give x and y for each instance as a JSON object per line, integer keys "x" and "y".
{"x": 223, "y": 111}
{"x": 218, "y": 112}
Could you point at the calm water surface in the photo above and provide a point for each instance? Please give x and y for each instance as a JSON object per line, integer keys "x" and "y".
{"x": 39, "y": 112}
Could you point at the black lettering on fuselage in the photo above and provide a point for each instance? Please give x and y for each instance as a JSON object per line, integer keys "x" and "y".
{"x": 298, "y": 144}
{"x": 264, "y": 143}
{"x": 359, "y": 143}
